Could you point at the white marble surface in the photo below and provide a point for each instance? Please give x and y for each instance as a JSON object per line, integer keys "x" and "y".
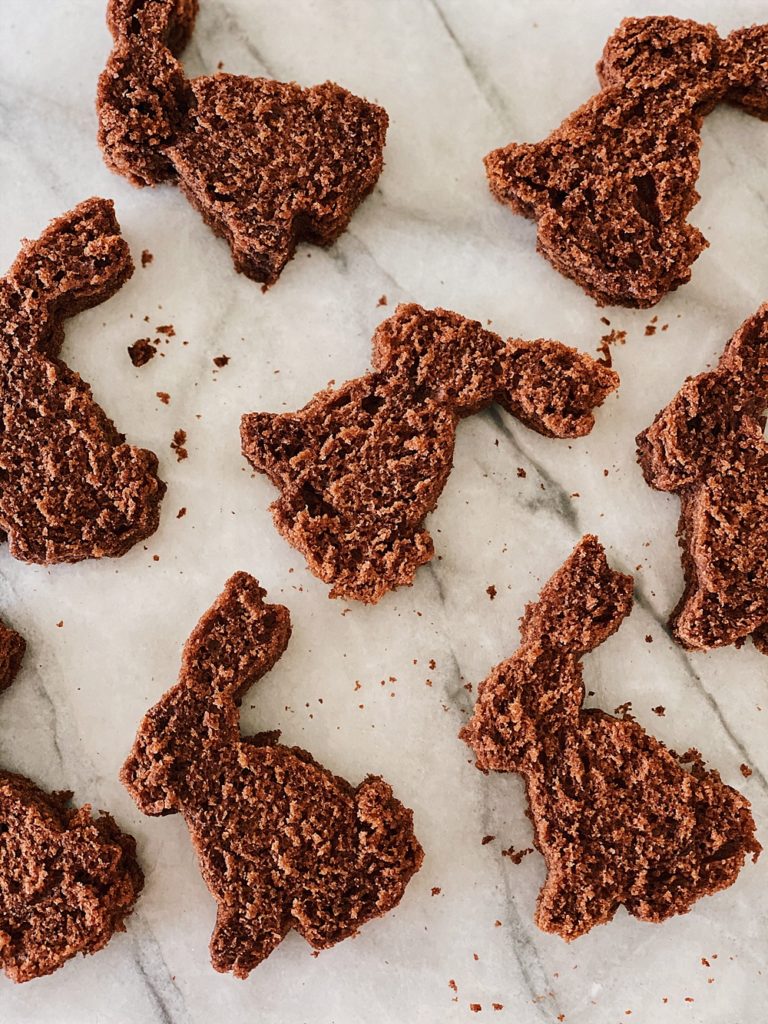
{"x": 457, "y": 78}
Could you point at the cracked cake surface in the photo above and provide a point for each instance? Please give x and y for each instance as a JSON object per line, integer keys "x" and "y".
{"x": 618, "y": 817}
{"x": 70, "y": 488}
{"x": 612, "y": 187}
{"x": 267, "y": 164}
{"x": 361, "y": 466}
{"x": 708, "y": 446}
{"x": 282, "y": 843}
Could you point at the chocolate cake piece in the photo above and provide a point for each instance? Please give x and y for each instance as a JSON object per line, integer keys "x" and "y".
{"x": 618, "y": 817}
{"x": 708, "y": 446}
{"x": 267, "y": 164}
{"x": 612, "y": 187}
{"x": 12, "y": 648}
{"x": 361, "y": 466}
{"x": 67, "y": 880}
{"x": 282, "y": 843}
{"x": 69, "y": 486}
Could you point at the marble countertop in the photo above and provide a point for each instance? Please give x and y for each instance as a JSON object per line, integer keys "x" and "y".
{"x": 457, "y": 79}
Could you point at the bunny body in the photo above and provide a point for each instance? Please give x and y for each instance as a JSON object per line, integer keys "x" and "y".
{"x": 708, "y": 446}
{"x": 282, "y": 843}
{"x": 361, "y": 466}
{"x": 612, "y": 187}
{"x": 616, "y": 816}
{"x": 69, "y": 486}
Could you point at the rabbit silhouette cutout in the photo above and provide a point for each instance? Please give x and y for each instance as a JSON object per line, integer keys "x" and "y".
{"x": 361, "y": 466}
{"x": 69, "y": 487}
{"x": 267, "y": 164}
{"x": 67, "y": 880}
{"x": 708, "y": 446}
{"x": 282, "y": 843}
{"x": 612, "y": 187}
{"x": 616, "y": 815}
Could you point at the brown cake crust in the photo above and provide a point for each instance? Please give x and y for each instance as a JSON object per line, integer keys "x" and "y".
{"x": 708, "y": 446}
{"x": 361, "y": 466}
{"x": 612, "y": 187}
{"x": 282, "y": 843}
{"x": 617, "y": 816}
{"x": 267, "y": 164}
{"x": 67, "y": 880}
{"x": 69, "y": 487}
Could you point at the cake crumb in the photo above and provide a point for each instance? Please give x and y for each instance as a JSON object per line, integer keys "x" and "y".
{"x": 146, "y": 258}
{"x": 487, "y": 839}
{"x": 220, "y": 361}
{"x": 491, "y": 591}
{"x": 516, "y": 856}
{"x": 521, "y": 473}
{"x": 164, "y": 397}
{"x": 181, "y": 513}
{"x": 745, "y": 770}
{"x": 178, "y": 443}
{"x": 382, "y": 300}
{"x": 659, "y": 710}
{"x": 436, "y": 890}
{"x": 141, "y": 351}
{"x": 167, "y": 329}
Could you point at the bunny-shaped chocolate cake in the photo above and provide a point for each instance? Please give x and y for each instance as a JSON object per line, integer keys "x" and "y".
{"x": 708, "y": 446}
{"x": 69, "y": 486}
{"x": 616, "y": 815}
{"x": 268, "y": 164}
{"x": 361, "y": 466}
{"x": 282, "y": 843}
{"x": 67, "y": 880}
{"x": 612, "y": 187}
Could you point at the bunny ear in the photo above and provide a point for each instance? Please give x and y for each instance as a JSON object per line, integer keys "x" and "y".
{"x": 79, "y": 261}
{"x": 746, "y": 59}
{"x": 170, "y": 21}
{"x": 552, "y": 388}
{"x": 582, "y": 604}
{"x": 236, "y": 642}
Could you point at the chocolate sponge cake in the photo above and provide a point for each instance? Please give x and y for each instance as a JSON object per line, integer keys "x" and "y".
{"x": 67, "y": 880}
{"x": 282, "y": 843}
{"x": 708, "y": 446}
{"x": 267, "y": 164}
{"x": 361, "y": 466}
{"x": 612, "y": 187}
{"x": 70, "y": 488}
{"x": 618, "y": 817}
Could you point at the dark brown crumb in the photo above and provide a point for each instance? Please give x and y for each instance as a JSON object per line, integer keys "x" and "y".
{"x": 659, "y": 710}
{"x": 648, "y": 638}
{"x": 166, "y": 329}
{"x": 516, "y": 856}
{"x": 181, "y": 513}
{"x": 475, "y": 1007}
{"x": 382, "y": 300}
{"x": 360, "y": 467}
{"x": 612, "y": 187}
{"x": 650, "y": 330}
{"x": 164, "y": 397}
{"x": 146, "y": 257}
{"x": 453, "y": 986}
{"x": 487, "y": 839}
{"x": 178, "y": 443}
{"x": 491, "y": 591}
{"x": 498, "y": 1006}
{"x": 521, "y": 473}
{"x": 624, "y": 711}
{"x": 281, "y": 841}
{"x": 598, "y": 786}
{"x": 71, "y": 488}
{"x": 745, "y": 770}
{"x": 141, "y": 351}
{"x": 436, "y": 890}
{"x": 267, "y": 164}
{"x": 220, "y": 361}
{"x": 708, "y": 446}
